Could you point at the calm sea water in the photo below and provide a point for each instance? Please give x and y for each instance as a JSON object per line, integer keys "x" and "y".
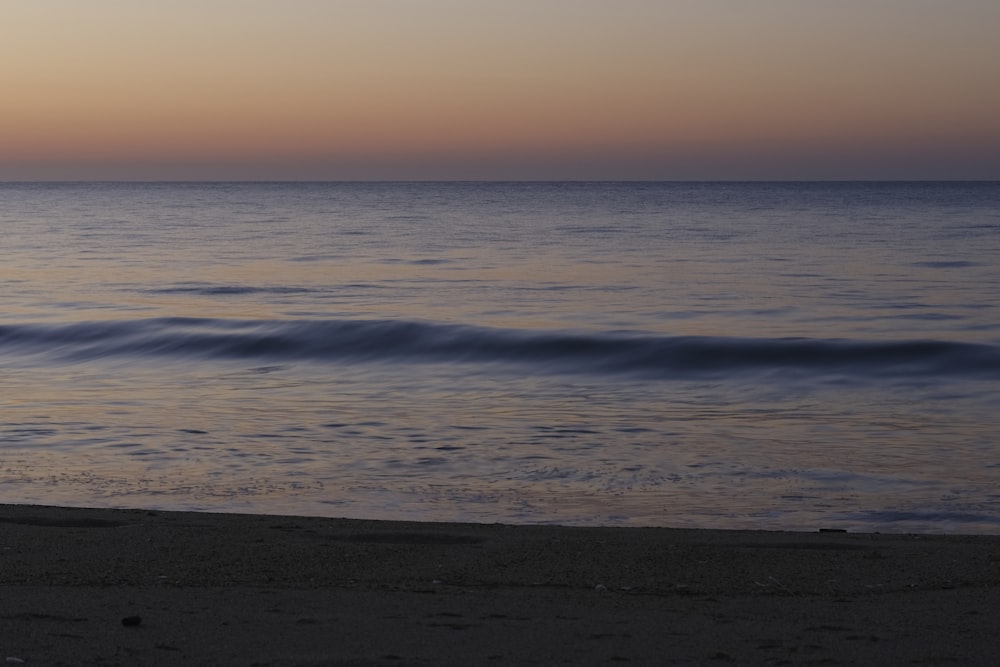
{"x": 781, "y": 356}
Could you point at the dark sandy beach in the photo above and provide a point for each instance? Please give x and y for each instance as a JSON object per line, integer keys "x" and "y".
{"x": 135, "y": 587}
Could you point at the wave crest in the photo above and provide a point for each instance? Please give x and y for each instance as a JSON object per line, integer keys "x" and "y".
{"x": 397, "y": 341}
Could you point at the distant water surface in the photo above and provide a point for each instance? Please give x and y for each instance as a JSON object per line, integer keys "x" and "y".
{"x": 738, "y": 355}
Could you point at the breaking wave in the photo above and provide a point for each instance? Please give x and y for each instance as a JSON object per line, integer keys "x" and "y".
{"x": 395, "y": 341}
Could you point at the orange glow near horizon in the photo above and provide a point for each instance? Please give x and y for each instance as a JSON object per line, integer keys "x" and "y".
{"x": 448, "y": 89}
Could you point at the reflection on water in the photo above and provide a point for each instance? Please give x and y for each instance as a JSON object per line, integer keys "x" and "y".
{"x": 728, "y": 355}
{"x": 430, "y": 442}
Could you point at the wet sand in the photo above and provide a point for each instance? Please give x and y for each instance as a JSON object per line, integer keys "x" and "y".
{"x": 135, "y": 587}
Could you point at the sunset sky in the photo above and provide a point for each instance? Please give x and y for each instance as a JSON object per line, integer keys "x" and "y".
{"x": 489, "y": 89}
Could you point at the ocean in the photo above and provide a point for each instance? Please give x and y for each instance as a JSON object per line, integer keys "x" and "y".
{"x": 786, "y": 356}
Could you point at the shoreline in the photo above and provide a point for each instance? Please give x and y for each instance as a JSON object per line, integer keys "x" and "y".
{"x": 240, "y": 589}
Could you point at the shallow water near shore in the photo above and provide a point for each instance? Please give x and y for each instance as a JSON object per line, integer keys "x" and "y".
{"x": 780, "y": 356}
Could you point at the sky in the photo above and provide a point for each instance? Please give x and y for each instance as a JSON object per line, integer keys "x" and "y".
{"x": 491, "y": 89}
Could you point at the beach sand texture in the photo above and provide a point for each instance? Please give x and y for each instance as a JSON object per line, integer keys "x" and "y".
{"x": 136, "y": 587}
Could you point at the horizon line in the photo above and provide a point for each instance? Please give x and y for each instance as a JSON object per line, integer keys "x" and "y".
{"x": 486, "y": 181}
